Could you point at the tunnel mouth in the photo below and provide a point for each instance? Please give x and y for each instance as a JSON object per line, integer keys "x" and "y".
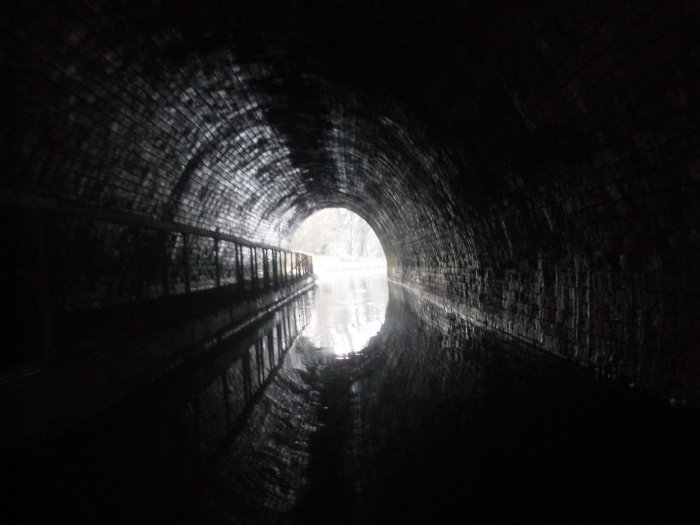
{"x": 341, "y": 242}
{"x": 351, "y": 295}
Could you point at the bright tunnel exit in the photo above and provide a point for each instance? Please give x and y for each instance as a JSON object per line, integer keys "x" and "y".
{"x": 340, "y": 241}
{"x": 351, "y": 296}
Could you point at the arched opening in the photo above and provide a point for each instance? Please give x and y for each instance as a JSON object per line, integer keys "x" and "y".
{"x": 530, "y": 169}
{"x": 340, "y": 241}
{"x": 351, "y": 295}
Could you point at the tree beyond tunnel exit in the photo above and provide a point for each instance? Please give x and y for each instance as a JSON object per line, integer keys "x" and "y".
{"x": 337, "y": 232}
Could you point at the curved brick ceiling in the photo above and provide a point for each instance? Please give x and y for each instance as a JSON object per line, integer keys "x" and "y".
{"x": 187, "y": 119}
{"x": 515, "y": 157}
{"x": 249, "y": 117}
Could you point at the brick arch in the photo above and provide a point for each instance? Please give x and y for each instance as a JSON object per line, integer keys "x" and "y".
{"x": 533, "y": 167}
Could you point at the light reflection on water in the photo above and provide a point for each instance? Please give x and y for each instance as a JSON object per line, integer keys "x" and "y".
{"x": 438, "y": 421}
{"x": 350, "y": 308}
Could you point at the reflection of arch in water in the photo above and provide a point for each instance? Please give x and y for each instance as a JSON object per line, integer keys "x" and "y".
{"x": 349, "y": 310}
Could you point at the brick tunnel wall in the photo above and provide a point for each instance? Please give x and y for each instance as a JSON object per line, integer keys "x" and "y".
{"x": 534, "y": 167}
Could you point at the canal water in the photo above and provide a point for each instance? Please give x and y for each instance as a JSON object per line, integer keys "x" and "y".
{"x": 359, "y": 402}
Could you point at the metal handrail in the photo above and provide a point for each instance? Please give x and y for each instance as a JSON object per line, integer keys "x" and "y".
{"x": 68, "y": 207}
{"x": 280, "y": 266}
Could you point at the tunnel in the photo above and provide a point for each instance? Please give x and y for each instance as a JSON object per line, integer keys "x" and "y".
{"x": 532, "y": 171}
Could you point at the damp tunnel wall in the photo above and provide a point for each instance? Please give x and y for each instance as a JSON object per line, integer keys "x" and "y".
{"x": 533, "y": 167}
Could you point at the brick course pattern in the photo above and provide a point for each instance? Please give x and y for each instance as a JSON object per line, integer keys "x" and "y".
{"x": 536, "y": 168}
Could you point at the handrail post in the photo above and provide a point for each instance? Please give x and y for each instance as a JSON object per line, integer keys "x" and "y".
{"x": 284, "y": 268}
{"x": 186, "y": 262}
{"x": 275, "y": 282}
{"x": 164, "y": 262}
{"x": 254, "y": 267}
{"x": 266, "y": 269}
{"x": 238, "y": 256}
{"x": 217, "y": 263}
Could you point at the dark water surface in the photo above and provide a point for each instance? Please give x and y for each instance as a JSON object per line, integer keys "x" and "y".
{"x": 439, "y": 421}
{"x": 386, "y": 409}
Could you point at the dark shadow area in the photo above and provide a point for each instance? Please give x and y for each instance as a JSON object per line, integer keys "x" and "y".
{"x": 134, "y": 462}
{"x": 530, "y": 167}
{"x": 433, "y": 420}
{"x": 450, "y": 423}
